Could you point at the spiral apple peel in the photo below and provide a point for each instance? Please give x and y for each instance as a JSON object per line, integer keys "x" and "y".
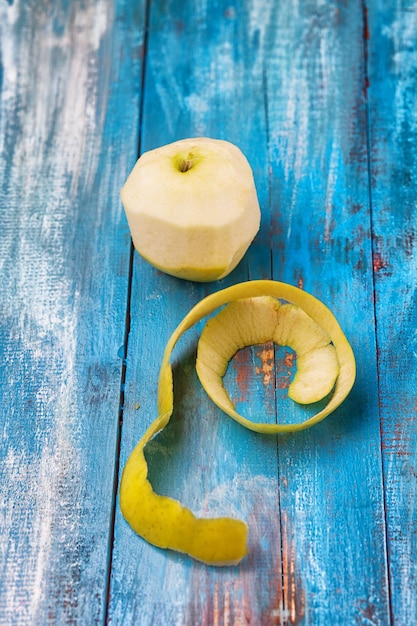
{"x": 253, "y": 314}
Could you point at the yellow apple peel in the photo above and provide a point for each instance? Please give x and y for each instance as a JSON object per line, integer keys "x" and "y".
{"x": 163, "y": 521}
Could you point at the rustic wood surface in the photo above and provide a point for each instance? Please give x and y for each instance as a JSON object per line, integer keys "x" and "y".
{"x": 321, "y": 96}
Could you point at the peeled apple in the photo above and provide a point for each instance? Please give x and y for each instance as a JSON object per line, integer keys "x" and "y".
{"x": 256, "y": 312}
{"x": 192, "y": 207}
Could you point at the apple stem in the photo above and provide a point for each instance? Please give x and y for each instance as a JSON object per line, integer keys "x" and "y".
{"x": 186, "y": 165}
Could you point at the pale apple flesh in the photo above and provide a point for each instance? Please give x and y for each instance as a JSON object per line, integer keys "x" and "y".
{"x": 254, "y": 321}
{"x": 192, "y": 208}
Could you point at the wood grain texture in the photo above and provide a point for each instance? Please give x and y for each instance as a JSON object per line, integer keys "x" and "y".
{"x": 393, "y": 126}
{"x": 67, "y": 108}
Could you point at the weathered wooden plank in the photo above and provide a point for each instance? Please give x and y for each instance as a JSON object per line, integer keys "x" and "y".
{"x": 330, "y": 477}
{"x": 393, "y": 137}
{"x": 275, "y": 79}
{"x": 204, "y": 76}
{"x": 68, "y": 103}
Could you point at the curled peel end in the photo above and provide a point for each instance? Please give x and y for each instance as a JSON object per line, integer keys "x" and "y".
{"x": 165, "y": 523}
{"x": 219, "y": 541}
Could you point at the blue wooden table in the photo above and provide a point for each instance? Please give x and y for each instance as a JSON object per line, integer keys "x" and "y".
{"x": 321, "y": 96}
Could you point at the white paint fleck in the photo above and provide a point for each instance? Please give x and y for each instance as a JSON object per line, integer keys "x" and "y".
{"x": 402, "y": 34}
